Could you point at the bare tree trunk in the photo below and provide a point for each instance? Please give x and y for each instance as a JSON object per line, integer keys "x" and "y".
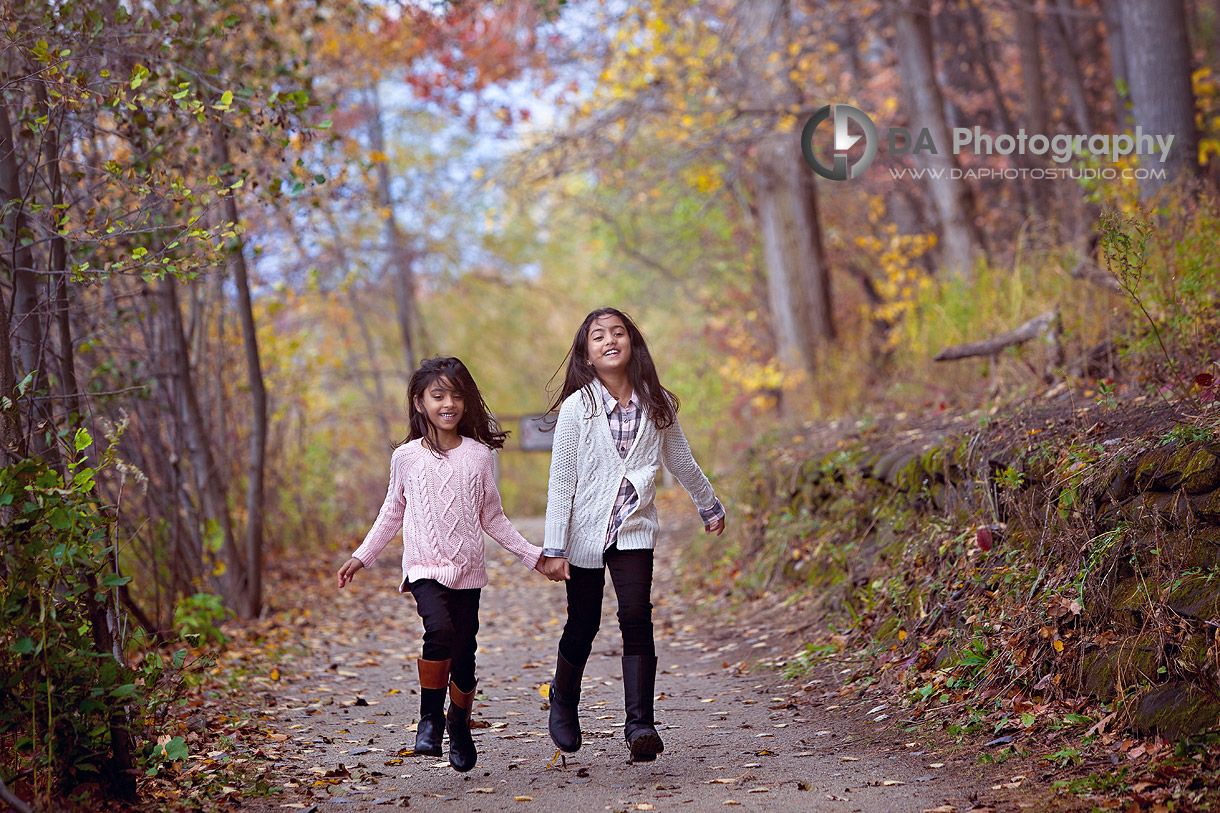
{"x": 59, "y": 264}
{"x": 1073, "y": 77}
{"x": 358, "y": 314}
{"x": 1030, "y": 46}
{"x": 208, "y": 483}
{"x": 1163, "y": 100}
{"x": 1121, "y": 77}
{"x": 12, "y": 440}
{"x": 797, "y": 285}
{"x": 961, "y": 240}
{"x": 401, "y": 258}
{"x": 256, "y": 473}
{"x": 27, "y": 308}
{"x": 1026, "y": 195}
{"x": 798, "y": 281}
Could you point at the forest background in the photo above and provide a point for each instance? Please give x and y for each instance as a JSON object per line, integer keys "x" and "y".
{"x": 231, "y": 230}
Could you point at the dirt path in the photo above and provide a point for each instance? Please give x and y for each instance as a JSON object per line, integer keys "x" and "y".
{"x": 732, "y": 735}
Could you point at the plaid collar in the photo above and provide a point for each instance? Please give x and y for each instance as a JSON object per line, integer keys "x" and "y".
{"x": 609, "y": 401}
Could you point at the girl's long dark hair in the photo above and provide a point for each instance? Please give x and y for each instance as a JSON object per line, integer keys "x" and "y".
{"x": 660, "y": 405}
{"x": 477, "y": 421}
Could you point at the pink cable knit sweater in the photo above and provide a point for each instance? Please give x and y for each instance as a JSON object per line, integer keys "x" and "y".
{"x": 453, "y": 500}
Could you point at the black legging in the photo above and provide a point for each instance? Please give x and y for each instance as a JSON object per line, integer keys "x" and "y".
{"x": 451, "y": 622}
{"x": 631, "y": 572}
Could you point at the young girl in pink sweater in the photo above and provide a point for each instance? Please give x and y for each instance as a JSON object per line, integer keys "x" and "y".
{"x": 442, "y": 497}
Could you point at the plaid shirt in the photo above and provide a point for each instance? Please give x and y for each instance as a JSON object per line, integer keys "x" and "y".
{"x": 624, "y": 425}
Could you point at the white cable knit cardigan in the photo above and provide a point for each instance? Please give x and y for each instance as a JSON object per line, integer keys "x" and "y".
{"x": 586, "y": 471}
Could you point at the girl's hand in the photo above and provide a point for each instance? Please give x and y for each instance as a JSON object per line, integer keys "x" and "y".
{"x": 554, "y": 568}
{"x": 348, "y": 571}
{"x": 716, "y": 526}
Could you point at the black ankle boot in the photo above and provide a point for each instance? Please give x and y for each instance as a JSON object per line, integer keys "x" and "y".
{"x": 431, "y": 722}
{"x": 462, "y": 753}
{"x": 639, "y": 682}
{"x": 433, "y": 680}
{"x": 565, "y": 696}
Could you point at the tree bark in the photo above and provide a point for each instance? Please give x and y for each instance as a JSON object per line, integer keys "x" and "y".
{"x": 401, "y": 257}
{"x": 27, "y": 334}
{"x": 798, "y": 280}
{"x": 961, "y": 240}
{"x": 798, "y": 287}
{"x": 252, "y": 594}
{"x": 1163, "y": 100}
{"x": 1078, "y": 98}
{"x": 208, "y": 483}
{"x": 59, "y": 264}
{"x": 1121, "y": 77}
{"x": 1030, "y": 46}
{"x": 1026, "y": 195}
{"x": 12, "y": 440}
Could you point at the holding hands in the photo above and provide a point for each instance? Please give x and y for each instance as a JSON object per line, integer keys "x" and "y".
{"x": 554, "y": 568}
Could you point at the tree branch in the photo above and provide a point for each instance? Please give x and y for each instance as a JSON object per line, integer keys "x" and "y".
{"x": 1044, "y": 323}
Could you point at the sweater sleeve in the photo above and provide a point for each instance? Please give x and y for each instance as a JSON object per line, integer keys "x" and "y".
{"x": 497, "y": 525}
{"x": 676, "y": 454}
{"x": 389, "y": 518}
{"x": 561, "y": 490}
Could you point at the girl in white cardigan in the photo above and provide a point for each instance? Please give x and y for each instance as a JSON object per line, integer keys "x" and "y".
{"x": 616, "y": 425}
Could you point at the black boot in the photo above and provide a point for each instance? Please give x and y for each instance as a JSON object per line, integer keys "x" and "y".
{"x": 433, "y": 680}
{"x": 565, "y": 696}
{"x": 462, "y": 753}
{"x": 639, "y": 681}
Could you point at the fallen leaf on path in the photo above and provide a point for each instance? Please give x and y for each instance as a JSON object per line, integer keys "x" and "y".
{"x": 523, "y": 798}
{"x": 850, "y": 759}
{"x": 937, "y": 765}
{"x": 481, "y": 790}
{"x": 731, "y": 802}
{"x": 890, "y": 782}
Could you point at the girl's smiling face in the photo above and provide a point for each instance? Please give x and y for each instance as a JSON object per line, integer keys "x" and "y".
{"x": 608, "y": 345}
{"x": 443, "y": 406}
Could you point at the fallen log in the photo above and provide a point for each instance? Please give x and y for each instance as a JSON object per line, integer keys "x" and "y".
{"x": 1044, "y": 324}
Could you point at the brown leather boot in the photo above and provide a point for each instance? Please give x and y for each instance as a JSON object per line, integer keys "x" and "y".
{"x": 462, "y": 753}
{"x": 433, "y": 678}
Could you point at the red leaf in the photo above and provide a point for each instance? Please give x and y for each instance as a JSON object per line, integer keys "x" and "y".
{"x": 984, "y": 538}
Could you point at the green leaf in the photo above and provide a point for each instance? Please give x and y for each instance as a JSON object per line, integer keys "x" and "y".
{"x": 115, "y": 580}
{"x": 176, "y": 749}
{"x": 59, "y": 519}
{"x": 126, "y": 690}
{"x": 138, "y": 74}
{"x": 23, "y": 646}
{"x": 83, "y": 440}
{"x": 325, "y": 125}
